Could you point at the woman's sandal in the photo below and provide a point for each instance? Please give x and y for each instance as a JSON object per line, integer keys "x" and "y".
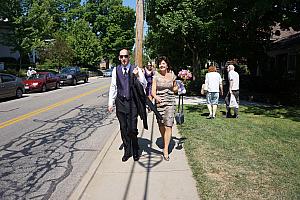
{"x": 166, "y": 158}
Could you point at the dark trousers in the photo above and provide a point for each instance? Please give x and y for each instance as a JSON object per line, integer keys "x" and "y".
{"x": 236, "y": 94}
{"x": 126, "y": 112}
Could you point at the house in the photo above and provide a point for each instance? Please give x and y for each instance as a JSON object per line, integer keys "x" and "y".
{"x": 284, "y": 54}
{"x": 7, "y": 55}
{"x": 283, "y": 69}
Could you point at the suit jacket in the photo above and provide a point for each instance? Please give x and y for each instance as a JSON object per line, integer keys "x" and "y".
{"x": 141, "y": 101}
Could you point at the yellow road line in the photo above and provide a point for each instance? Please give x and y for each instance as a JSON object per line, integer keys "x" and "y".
{"x": 41, "y": 110}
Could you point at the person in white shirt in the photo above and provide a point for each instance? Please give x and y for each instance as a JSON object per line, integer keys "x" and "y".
{"x": 120, "y": 93}
{"x": 213, "y": 81}
{"x": 234, "y": 82}
{"x": 30, "y": 71}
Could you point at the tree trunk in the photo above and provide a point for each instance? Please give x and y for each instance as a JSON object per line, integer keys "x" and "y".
{"x": 252, "y": 65}
{"x": 107, "y": 63}
{"x": 20, "y": 63}
{"x": 196, "y": 64}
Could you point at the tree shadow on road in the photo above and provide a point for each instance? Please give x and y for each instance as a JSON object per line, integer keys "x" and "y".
{"x": 32, "y": 165}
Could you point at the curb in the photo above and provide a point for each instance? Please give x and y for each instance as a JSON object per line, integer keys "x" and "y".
{"x": 86, "y": 179}
{"x": 94, "y": 77}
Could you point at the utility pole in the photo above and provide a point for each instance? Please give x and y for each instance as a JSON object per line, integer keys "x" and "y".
{"x": 139, "y": 33}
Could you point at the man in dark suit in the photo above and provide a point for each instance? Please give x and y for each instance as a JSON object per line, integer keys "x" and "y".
{"x": 121, "y": 94}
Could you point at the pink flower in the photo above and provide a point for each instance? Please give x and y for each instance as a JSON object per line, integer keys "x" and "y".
{"x": 185, "y": 74}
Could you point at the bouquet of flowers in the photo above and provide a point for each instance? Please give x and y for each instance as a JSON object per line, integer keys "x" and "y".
{"x": 185, "y": 74}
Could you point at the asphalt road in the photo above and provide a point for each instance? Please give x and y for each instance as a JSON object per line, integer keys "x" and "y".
{"x": 49, "y": 140}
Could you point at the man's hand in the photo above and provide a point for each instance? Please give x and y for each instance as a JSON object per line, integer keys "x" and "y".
{"x": 110, "y": 109}
{"x": 136, "y": 71}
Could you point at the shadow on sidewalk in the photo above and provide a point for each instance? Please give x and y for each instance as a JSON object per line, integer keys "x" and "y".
{"x": 174, "y": 143}
{"x": 148, "y": 161}
{"x": 150, "y": 157}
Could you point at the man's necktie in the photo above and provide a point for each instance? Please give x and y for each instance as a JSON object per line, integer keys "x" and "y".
{"x": 125, "y": 71}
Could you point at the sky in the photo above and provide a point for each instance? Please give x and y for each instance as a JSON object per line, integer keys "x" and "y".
{"x": 130, "y": 3}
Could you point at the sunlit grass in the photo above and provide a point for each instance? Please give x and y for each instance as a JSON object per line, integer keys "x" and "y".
{"x": 254, "y": 157}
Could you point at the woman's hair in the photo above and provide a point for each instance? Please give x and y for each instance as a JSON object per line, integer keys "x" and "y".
{"x": 164, "y": 58}
{"x": 148, "y": 65}
{"x": 212, "y": 69}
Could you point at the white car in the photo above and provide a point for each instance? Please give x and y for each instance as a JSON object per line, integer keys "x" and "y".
{"x": 108, "y": 73}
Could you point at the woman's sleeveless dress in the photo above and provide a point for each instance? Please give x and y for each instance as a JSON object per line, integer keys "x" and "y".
{"x": 149, "y": 78}
{"x": 164, "y": 89}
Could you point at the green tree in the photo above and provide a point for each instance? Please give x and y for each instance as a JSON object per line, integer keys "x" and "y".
{"x": 113, "y": 24}
{"x": 41, "y": 23}
{"x": 245, "y": 27}
{"x": 58, "y": 52}
{"x": 182, "y": 26}
{"x": 29, "y": 24}
{"x": 218, "y": 30}
{"x": 17, "y": 27}
{"x": 66, "y": 12}
{"x": 85, "y": 43}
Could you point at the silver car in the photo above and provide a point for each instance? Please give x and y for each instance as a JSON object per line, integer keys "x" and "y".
{"x": 108, "y": 73}
{"x": 11, "y": 86}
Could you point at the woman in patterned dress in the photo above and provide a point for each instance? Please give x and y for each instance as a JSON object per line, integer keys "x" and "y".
{"x": 163, "y": 88}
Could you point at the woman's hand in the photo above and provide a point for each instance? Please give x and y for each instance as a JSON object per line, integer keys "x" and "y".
{"x": 158, "y": 99}
{"x": 175, "y": 87}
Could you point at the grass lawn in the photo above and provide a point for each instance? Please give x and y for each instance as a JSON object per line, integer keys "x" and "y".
{"x": 256, "y": 156}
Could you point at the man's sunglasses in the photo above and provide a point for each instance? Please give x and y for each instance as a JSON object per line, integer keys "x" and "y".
{"x": 123, "y": 56}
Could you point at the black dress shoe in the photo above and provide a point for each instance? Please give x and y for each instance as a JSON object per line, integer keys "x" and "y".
{"x": 235, "y": 116}
{"x": 125, "y": 158}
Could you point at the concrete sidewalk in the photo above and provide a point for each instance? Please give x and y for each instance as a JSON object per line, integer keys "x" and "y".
{"x": 149, "y": 178}
{"x": 196, "y": 100}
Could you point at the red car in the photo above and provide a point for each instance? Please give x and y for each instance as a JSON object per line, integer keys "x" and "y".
{"x": 41, "y": 81}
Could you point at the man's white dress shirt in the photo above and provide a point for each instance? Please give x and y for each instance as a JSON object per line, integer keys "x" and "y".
{"x": 113, "y": 86}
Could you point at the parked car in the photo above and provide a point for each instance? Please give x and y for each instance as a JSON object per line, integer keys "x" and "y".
{"x": 108, "y": 72}
{"x": 71, "y": 75}
{"x": 41, "y": 81}
{"x": 11, "y": 86}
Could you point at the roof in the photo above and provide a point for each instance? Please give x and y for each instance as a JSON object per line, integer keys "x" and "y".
{"x": 281, "y": 34}
{"x": 291, "y": 40}
{"x": 282, "y": 38}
